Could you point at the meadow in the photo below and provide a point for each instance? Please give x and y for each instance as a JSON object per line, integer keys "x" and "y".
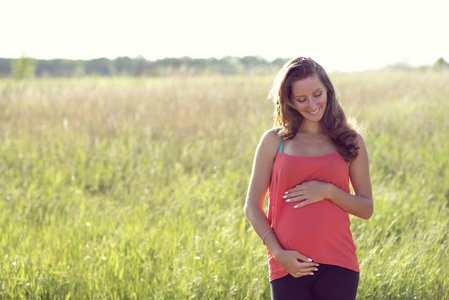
{"x": 133, "y": 188}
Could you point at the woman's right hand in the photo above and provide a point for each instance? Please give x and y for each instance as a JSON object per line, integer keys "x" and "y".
{"x": 295, "y": 263}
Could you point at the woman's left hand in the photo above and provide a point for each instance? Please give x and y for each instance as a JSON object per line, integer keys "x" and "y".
{"x": 308, "y": 192}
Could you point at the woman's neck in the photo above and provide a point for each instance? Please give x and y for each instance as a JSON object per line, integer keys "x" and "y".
{"x": 311, "y": 128}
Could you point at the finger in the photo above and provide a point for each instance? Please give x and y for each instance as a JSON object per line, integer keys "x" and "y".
{"x": 302, "y": 257}
{"x": 299, "y": 274}
{"x": 302, "y": 204}
{"x": 304, "y": 268}
{"x": 304, "y": 272}
{"x": 294, "y": 189}
{"x": 294, "y": 193}
{"x": 296, "y": 197}
{"x": 291, "y": 194}
{"x": 310, "y": 266}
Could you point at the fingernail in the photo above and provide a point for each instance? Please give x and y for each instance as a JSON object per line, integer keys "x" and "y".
{"x": 285, "y": 196}
{"x": 288, "y": 200}
{"x": 296, "y": 206}
{"x": 312, "y": 274}
{"x": 309, "y": 259}
{"x": 317, "y": 265}
{"x": 316, "y": 269}
{"x": 286, "y": 192}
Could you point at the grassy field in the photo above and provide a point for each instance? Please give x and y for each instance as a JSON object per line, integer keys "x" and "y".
{"x": 133, "y": 188}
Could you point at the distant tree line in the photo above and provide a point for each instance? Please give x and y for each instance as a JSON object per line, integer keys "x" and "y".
{"x": 139, "y": 66}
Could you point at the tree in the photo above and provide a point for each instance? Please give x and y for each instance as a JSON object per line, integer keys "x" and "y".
{"x": 124, "y": 66}
{"x": 441, "y": 64}
{"x": 100, "y": 66}
{"x": 23, "y": 67}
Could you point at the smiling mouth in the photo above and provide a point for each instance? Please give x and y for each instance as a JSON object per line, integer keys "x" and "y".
{"x": 315, "y": 112}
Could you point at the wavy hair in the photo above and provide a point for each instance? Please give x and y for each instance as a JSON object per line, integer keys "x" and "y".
{"x": 333, "y": 122}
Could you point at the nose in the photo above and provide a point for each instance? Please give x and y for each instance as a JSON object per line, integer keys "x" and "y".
{"x": 312, "y": 104}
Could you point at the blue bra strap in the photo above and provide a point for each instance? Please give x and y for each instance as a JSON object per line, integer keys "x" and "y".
{"x": 280, "y": 141}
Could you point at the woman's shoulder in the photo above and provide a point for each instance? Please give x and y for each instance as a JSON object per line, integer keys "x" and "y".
{"x": 362, "y": 152}
{"x": 272, "y": 136}
{"x": 359, "y": 139}
{"x": 270, "y": 141}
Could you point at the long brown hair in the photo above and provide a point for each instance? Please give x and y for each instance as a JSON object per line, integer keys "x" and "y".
{"x": 333, "y": 122}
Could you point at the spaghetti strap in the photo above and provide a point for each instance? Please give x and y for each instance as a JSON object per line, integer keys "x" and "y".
{"x": 280, "y": 141}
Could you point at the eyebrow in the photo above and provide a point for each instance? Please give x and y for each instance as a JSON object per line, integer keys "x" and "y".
{"x": 312, "y": 93}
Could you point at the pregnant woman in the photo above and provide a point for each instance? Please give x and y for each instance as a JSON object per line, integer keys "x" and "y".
{"x": 306, "y": 164}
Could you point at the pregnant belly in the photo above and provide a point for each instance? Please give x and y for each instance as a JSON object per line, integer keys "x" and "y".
{"x": 313, "y": 230}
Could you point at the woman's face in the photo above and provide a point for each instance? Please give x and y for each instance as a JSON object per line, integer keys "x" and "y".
{"x": 309, "y": 97}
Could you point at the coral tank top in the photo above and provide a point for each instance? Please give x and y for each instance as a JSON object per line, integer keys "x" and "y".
{"x": 320, "y": 230}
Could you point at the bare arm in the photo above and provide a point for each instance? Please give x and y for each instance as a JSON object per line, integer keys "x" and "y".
{"x": 258, "y": 186}
{"x": 260, "y": 179}
{"x": 360, "y": 204}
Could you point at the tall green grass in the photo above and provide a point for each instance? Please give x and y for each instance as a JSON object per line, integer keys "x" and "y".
{"x": 134, "y": 188}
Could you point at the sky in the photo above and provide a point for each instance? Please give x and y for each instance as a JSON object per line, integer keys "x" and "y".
{"x": 341, "y": 35}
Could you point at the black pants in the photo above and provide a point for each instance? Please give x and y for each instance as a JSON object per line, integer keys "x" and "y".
{"x": 329, "y": 282}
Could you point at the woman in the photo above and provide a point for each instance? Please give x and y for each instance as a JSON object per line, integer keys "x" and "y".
{"x": 305, "y": 164}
